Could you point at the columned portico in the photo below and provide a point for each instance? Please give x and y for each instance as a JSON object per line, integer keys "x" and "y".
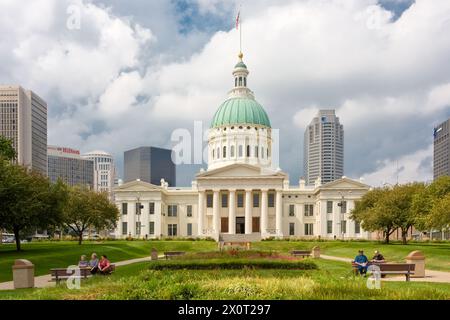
{"x": 232, "y": 212}
{"x": 201, "y": 212}
{"x": 248, "y": 212}
{"x": 279, "y": 213}
{"x": 264, "y": 212}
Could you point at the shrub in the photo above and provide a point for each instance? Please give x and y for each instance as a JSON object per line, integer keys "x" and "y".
{"x": 222, "y": 264}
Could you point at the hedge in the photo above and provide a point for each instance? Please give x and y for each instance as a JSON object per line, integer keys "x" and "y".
{"x": 232, "y": 265}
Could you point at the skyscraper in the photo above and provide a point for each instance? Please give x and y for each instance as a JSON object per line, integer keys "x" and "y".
{"x": 23, "y": 119}
{"x": 66, "y": 164}
{"x": 324, "y": 148}
{"x": 150, "y": 164}
{"x": 441, "y": 164}
{"x": 104, "y": 170}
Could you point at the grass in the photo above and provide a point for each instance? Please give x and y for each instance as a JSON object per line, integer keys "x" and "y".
{"x": 333, "y": 281}
{"x": 47, "y": 255}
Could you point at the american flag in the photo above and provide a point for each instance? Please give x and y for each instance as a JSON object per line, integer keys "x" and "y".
{"x": 238, "y": 20}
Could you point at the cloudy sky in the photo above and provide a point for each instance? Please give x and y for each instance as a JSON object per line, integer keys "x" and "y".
{"x": 128, "y": 73}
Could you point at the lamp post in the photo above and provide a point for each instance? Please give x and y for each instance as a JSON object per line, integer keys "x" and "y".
{"x": 343, "y": 212}
{"x": 138, "y": 214}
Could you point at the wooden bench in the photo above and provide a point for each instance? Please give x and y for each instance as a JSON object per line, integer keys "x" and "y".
{"x": 173, "y": 254}
{"x": 301, "y": 253}
{"x": 60, "y": 274}
{"x": 392, "y": 268}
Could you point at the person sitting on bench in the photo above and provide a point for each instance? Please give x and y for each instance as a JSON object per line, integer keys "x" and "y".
{"x": 362, "y": 262}
{"x": 83, "y": 262}
{"x": 378, "y": 257}
{"x": 104, "y": 266}
{"x": 93, "y": 263}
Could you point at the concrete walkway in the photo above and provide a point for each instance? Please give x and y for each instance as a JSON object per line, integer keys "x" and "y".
{"x": 430, "y": 275}
{"x": 46, "y": 280}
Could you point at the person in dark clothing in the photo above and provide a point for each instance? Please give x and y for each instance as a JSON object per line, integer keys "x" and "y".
{"x": 362, "y": 262}
{"x": 378, "y": 257}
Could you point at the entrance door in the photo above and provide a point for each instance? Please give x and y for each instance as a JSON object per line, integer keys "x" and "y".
{"x": 240, "y": 225}
{"x": 224, "y": 228}
{"x": 256, "y": 225}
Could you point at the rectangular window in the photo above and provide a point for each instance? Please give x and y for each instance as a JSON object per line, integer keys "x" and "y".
{"x": 292, "y": 229}
{"x": 343, "y": 227}
{"x": 152, "y": 207}
{"x": 209, "y": 200}
{"x": 309, "y": 210}
{"x": 189, "y": 211}
{"x": 172, "y": 230}
{"x": 138, "y": 228}
{"x": 139, "y": 208}
{"x": 172, "y": 211}
{"x": 329, "y": 226}
{"x": 189, "y": 229}
{"x": 124, "y": 208}
{"x": 224, "y": 200}
{"x": 240, "y": 200}
{"x": 124, "y": 228}
{"x": 344, "y": 207}
{"x": 271, "y": 200}
{"x": 357, "y": 227}
{"x": 291, "y": 210}
{"x": 309, "y": 229}
{"x": 329, "y": 206}
{"x": 256, "y": 200}
{"x": 151, "y": 228}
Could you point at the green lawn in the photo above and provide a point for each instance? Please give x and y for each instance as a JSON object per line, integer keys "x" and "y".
{"x": 333, "y": 280}
{"x": 47, "y": 255}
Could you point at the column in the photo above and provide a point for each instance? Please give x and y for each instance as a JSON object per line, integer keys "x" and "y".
{"x": 279, "y": 213}
{"x": 232, "y": 212}
{"x": 248, "y": 212}
{"x": 216, "y": 213}
{"x": 201, "y": 212}
{"x": 264, "y": 213}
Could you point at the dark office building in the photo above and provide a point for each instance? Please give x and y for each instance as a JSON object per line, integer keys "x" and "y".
{"x": 441, "y": 164}
{"x": 150, "y": 164}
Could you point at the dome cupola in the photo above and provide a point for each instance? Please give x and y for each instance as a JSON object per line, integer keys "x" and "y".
{"x": 240, "y": 130}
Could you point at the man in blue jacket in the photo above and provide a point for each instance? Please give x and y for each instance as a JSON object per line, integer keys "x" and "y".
{"x": 362, "y": 262}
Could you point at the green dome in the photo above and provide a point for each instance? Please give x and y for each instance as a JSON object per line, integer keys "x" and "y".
{"x": 236, "y": 111}
{"x": 241, "y": 65}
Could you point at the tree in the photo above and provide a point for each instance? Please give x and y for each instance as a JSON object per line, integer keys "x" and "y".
{"x": 27, "y": 200}
{"x": 6, "y": 149}
{"x": 85, "y": 209}
{"x": 429, "y": 206}
{"x": 388, "y": 210}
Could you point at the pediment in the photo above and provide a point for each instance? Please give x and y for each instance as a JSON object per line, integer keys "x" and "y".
{"x": 138, "y": 186}
{"x": 240, "y": 171}
{"x": 344, "y": 183}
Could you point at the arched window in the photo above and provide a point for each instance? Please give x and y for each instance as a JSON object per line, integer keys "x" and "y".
{"x": 218, "y": 153}
{"x": 245, "y": 81}
{"x": 268, "y": 153}
{"x": 241, "y": 151}
{"x": 224, "y": 152}
{"x": 236, "y": 82}
{"x": 213, "y": 154}
{"x": 232, "y": 152}
{"x": 240, "y": 81}
{"x": 256, "y": 152}
{"x": 248, "y": 151}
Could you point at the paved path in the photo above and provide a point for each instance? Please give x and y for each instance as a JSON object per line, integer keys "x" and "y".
{"x": 430, "y": 275}
{"x": 45, "y": 281}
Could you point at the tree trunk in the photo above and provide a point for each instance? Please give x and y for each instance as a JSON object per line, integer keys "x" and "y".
{"x": 80, "y": 238}
{"x": 17, "y": 236}
{"x": 386, "y": 236}
{"x": 404, "y": 236}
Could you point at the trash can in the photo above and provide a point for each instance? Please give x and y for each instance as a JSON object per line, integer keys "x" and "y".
{"x": 154, "y": 254}
{"x": 418, "y": 259}
{"x": 23, "y": 274}
{"x": 316, "y": 252}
